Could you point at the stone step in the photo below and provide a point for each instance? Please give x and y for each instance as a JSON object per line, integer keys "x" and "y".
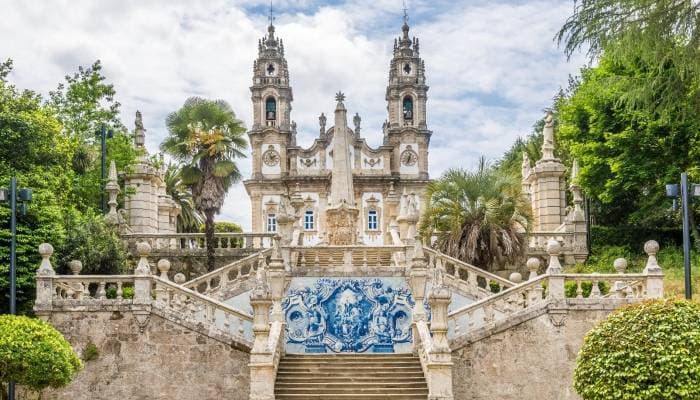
{"x": 331, "y": 378}
{"x": 322, "y": 396}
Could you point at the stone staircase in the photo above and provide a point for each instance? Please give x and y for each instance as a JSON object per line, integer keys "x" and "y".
{"x": 350, "y": 376}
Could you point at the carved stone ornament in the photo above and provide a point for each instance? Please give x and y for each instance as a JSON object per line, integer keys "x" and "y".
{"x": 372, "y": 161}
{"x": 307, "y": 162}
{"x": 409, "y": 157}
{"x": 271, "y": 157}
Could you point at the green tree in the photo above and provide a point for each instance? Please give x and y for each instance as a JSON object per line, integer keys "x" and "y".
{"x": 190, "y": 218}
{"x": 645, "y": 351}
{"x": 206, "y": 137}
{"x": 663, "y": 36}
{"x": 479, "y": 217}
{"x": 34, "y": 354}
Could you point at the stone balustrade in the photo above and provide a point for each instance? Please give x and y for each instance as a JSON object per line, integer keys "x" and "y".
{"x": 228, "y": 280}
{"x": 363, "y": 258}
{"x": 146, "y": 294}
{"x": 465, "y": 278}
{"x": 183, "y": 243}
{"x": 557, "y": 287}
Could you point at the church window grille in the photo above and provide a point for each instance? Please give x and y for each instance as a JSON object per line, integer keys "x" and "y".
{"x": 270, "y": 109}
{"x": 271, "y": 222}
{"x": 309, "y": 220}
{"x": 408, "y": 108}
{"x": 372, "y": 220}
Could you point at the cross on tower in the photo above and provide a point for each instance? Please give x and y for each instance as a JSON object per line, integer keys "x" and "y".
{"x": 405, "y": 12}
{"x": 272, "y": 17}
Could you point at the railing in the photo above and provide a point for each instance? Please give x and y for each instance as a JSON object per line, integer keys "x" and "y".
{"x": 497, "y": 307}
{"x": 194, "y": 307}
{"x": 196, "y": 242}
{"x": 537, "y": 241}
{"x": 229, "y": 276}
{"x": 465, "y": 278}
{"x": 106, "y": 288}
{"x": 357, "y": 256}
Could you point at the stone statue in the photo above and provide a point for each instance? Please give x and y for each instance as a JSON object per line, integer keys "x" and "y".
{"x": 525, "y": 169}
{"x": 322, "y": 123}
{"x": 548, "y": 132}
{"x": 357, "y": 120}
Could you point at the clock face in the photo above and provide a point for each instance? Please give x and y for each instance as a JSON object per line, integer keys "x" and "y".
{"x": 271, "y": 157}
{"x": 407, "y": 69}
{"x": 409, "y": 157}
{"x": 271, "y": 69}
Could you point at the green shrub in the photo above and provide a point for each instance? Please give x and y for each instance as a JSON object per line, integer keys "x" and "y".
{"x": 90, "y": 352}
{"x": 633, "y": 237}
{"x": 645, "y": 351}
{"x": 34, "y": 354}
{"x": 127, "y": 292}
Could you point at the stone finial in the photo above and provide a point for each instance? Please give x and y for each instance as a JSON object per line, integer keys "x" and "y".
{"x": 143, "y": 249}
{"x": 553, "y": 249}
{"x": 515, "y": 277}
{"x": 75, "y": 266}
{"x": 163, "y": 266}
{"x": 45, "y": 268}
{"x": 533, "y": 265}
{"x": 620, "y": 265}
{"x": 179, "y": 278}
{"x": 652, "y": 248}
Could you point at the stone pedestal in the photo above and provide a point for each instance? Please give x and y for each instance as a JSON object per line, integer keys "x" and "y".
{"x": 341, "y": 224}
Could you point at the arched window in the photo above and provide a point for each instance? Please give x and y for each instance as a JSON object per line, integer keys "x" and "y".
{"x": 372, "y": 220}
{"x": 309, "y": 220}
{"x": 271, "y": 222}
{"x": 408, "y": 108}
{"x": 270, "y": 109}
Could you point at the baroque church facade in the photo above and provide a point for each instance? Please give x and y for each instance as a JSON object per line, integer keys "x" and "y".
{"x": 377, "y": 188}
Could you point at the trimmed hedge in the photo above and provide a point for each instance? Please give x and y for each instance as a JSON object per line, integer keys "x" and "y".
{"x": 34, "y": 354}
{"x": 645, "y": 351}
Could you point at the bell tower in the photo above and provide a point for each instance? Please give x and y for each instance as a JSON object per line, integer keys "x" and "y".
{"x": 406, "y": 94}
{"x": 272, "y": 130}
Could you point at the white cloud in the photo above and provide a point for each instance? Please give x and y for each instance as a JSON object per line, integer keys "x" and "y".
{"x": 492, "y": 66}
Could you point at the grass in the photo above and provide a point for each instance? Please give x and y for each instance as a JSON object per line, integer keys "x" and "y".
{"x": 670, "y": 259}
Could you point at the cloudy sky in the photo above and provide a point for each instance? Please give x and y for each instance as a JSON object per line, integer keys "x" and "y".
{"x": 492, "y": 65}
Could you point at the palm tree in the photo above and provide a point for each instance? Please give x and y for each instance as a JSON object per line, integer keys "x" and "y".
{"x": 479, "y": 217}
{"x": 206, "y": 137}
{"x": 190, "y": 218}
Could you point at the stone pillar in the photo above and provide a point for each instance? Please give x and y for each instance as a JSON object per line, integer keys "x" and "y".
{"x": 142, "y": 286}
{"x": 112, "y": 188}
{"x": 556, "y": 281}
{"x": 417, "y": 277}
{"x": 262, "y": 368}
{"x": 44, "y": 282}
{"x": 440, "y": 366}
{"x": 277, "y": 282}
{"x": 655, "y": 276}
{"x": 161, "y": 292}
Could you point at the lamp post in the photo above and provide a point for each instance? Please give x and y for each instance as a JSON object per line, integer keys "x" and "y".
{"x": 104, "y": 135}
{"x": 684, "y": 192}
{"x": 24, "y": 195}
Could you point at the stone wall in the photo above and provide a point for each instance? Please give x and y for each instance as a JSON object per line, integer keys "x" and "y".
{"x": 530, "y": 361}
{"x": 165, "y": 361}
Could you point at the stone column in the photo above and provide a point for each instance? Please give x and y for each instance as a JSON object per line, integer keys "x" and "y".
{"x": 142, "y": 286}
{"x": 655, "y": 276}
{"x": 417, "y": 278}
{"x": 262, "y": 368}
{"x": 44, "y": 282}
{"x": 440, "y": 365}
{"x": 556, "y": 281}
{"x": 277, "y": 282}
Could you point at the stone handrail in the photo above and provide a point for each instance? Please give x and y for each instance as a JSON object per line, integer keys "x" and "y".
{"x": 228, "y": 276}
{"x": 95, "y": 287}
{"x": 191, "y": 306}
{"x": 186, "y": 242}
{"x": 424, "y": 342}
{"x": 465, "y": 278}
{"x": 358, "y": 256}
{"x": 496, "y": 307}
{"x": 537, "y": 241}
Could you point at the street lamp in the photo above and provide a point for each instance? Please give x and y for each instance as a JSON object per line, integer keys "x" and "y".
{"x": 24, "y": 195}
{"x": 684, "y": 191}
{"x": 104, "y": 135}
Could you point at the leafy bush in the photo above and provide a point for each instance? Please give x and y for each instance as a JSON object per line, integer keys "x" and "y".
{"x": 127, "y": 292}
{"x": 633, "y": 237}
{"x": 645, "y": 351}
{"x": 93, "y": 242}
{"x": 90, "y": 352}
{"x": 34, "y": 354}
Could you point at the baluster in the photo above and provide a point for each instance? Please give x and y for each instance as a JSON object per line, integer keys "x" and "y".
{"x": 579, "y": 290}
{"x": 227, "y": 322}
{"x": 120, "y": 291}
{"x": 364, "y": 259}
{"x": 316, "y": 259}
{"x": 379, "y": 259}
{"x": 488, "y": 313}
{"x": 303, "y": 258}
{"x": 101, "y": 291}
{"x": 595, "y": 290}
{"x": 240, "y": 326}
{"x": 457, "y": 327}
{"x": 330, "y": 258}
{"x": 455, "y": 271}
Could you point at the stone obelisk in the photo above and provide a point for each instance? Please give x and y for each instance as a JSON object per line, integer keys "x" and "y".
{"x": 342, "y": 215}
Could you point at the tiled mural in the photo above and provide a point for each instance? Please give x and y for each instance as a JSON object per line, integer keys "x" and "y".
{"x": 348, "y": 315}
